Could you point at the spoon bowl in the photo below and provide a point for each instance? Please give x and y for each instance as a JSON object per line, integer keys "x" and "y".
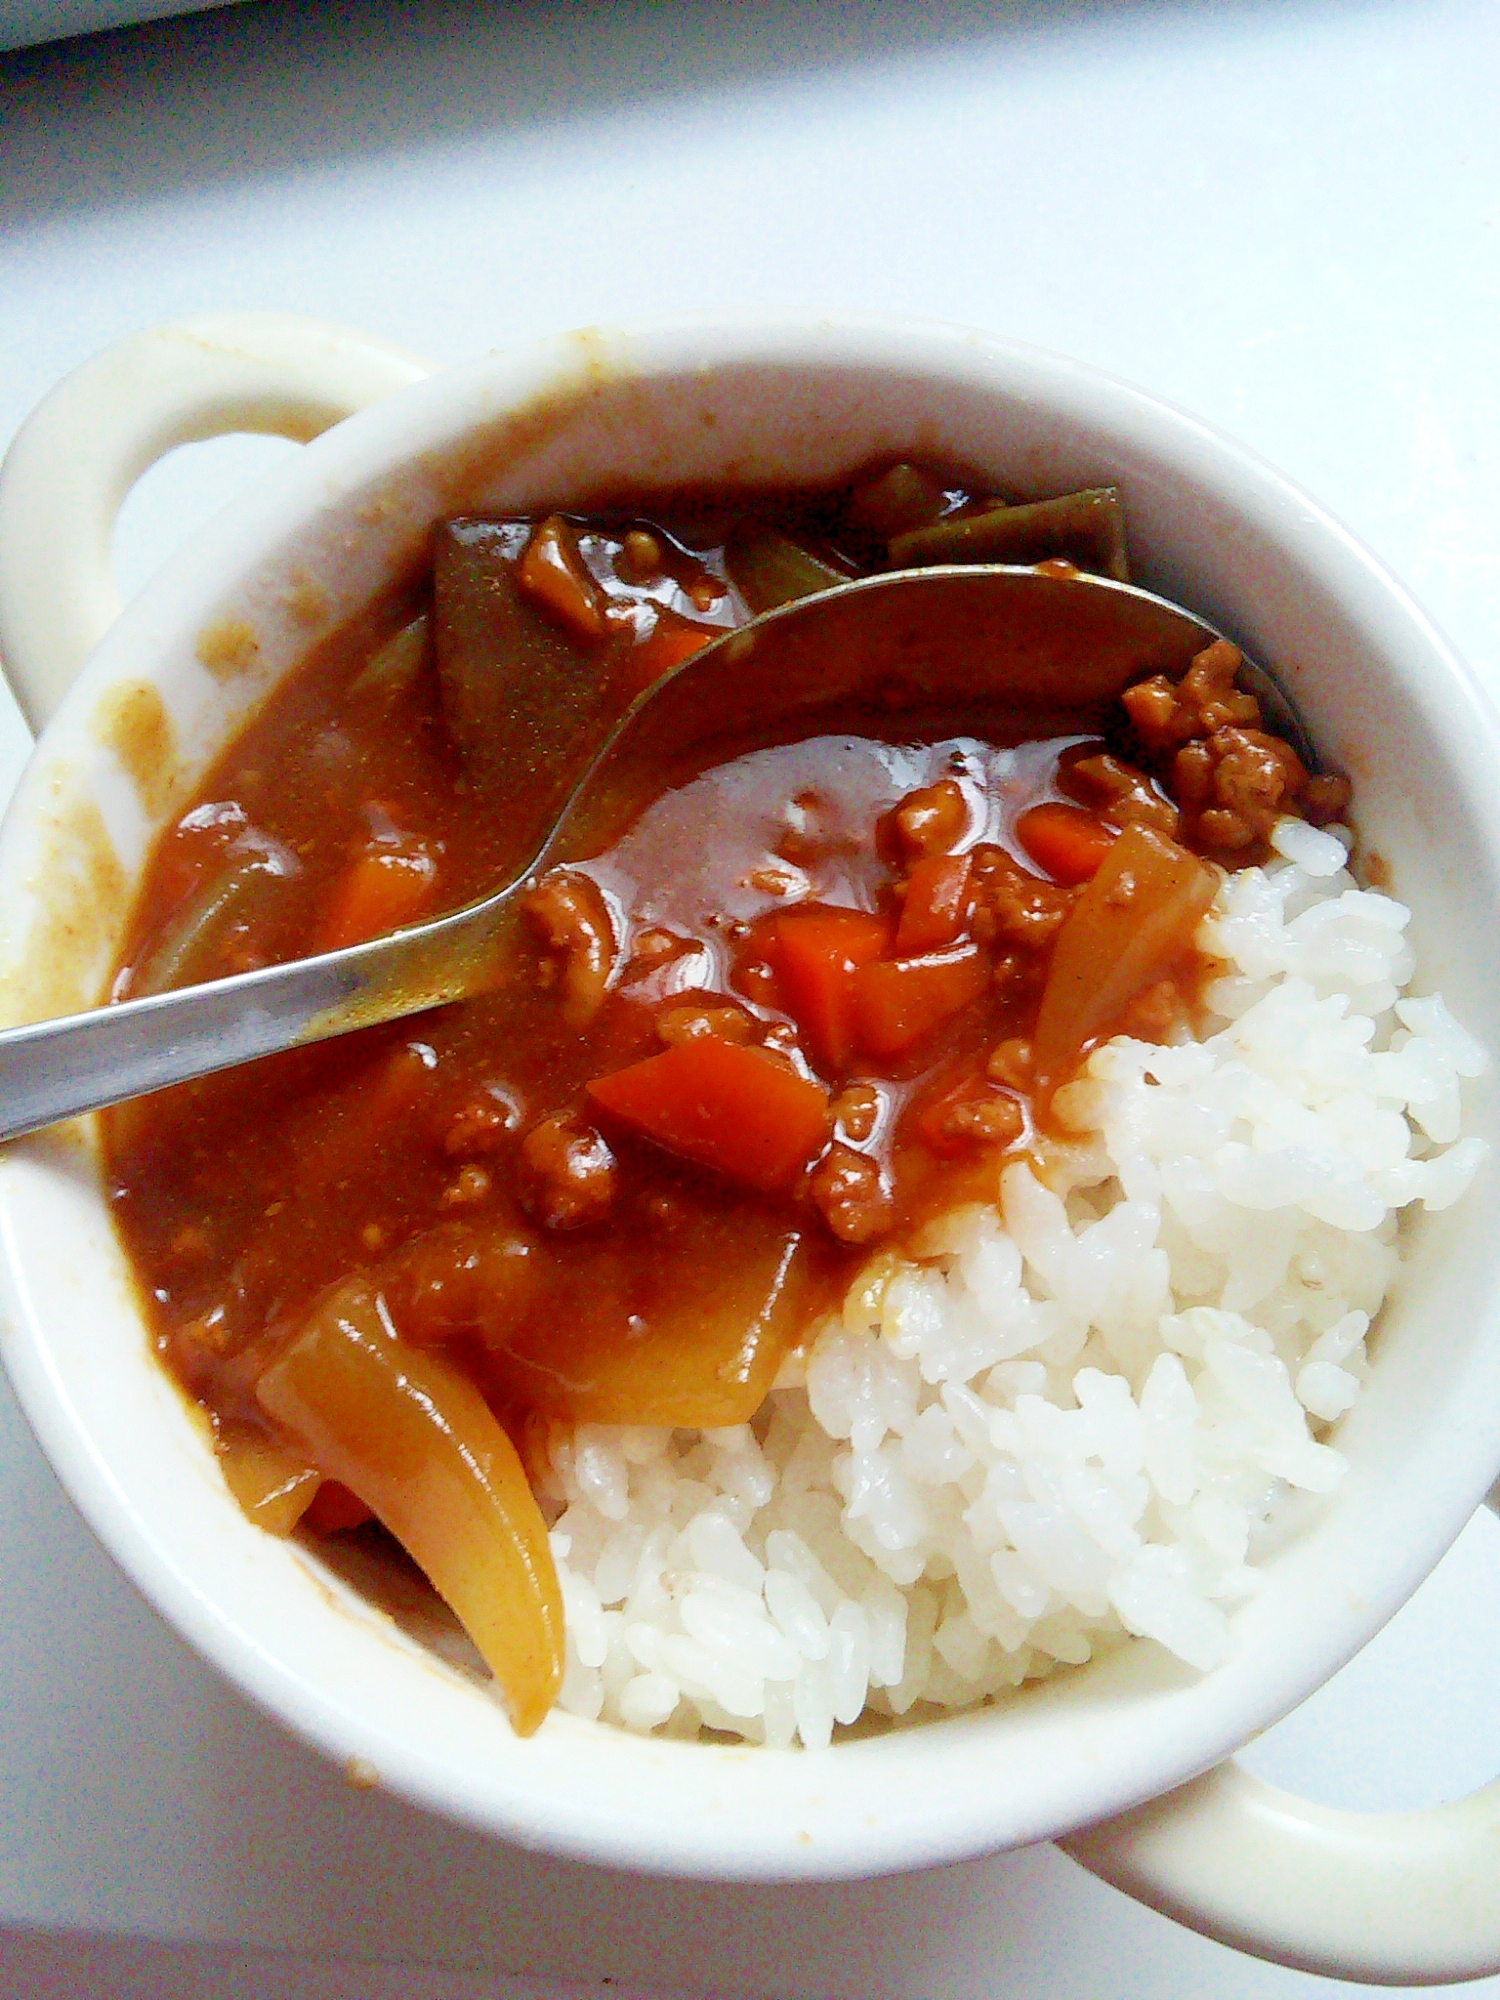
{"x": 995, "y": 649}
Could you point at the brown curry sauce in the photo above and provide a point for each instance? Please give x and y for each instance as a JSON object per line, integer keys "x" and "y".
{"x": 807, "y": 998}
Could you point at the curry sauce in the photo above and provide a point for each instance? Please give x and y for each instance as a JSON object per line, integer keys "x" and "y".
{"x": 797, "y": 1002}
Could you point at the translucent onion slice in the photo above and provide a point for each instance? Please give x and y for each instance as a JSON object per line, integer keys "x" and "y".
{"x": 272, "y": 1484}
{"x": 1135, "y": 917}
{"x": 405, "y": 1431}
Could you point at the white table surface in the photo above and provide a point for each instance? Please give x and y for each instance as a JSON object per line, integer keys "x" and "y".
{"x": 1281, "y": 216}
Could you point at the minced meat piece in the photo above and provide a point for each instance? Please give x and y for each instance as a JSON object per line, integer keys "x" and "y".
{"x": 1230, "y": 777}
{"x": 1254, "y": 779}
{"x": 1012, "y": 907}
{"x": 992, "y": 1120}
{"x": 1121, "y": 794}
{"x": 569, "y": 911}
{"x": 851, "y": 1195}
{"x": 567, "y": 1173}
{"x": 932, "y": 820}
{"x": 688, "y": 1020}
{"x": 482, "y": 1123}
{"x": 1166, "y": 713}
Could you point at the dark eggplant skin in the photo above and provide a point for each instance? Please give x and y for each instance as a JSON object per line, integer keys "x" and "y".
{"x": 1086, "y": 529}
{"x": 521, "y": 699}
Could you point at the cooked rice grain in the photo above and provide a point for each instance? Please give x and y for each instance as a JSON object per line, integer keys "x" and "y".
{"x": 1064, "y": 1422}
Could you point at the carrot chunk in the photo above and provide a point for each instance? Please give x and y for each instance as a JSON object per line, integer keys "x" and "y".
{"x": 899, "y": 1002}
{"x": 815, "y": 953}
{"x": 673, "y": 641}
{"x": 937, "y": 904}
{"x": 384, "y": 889}
{"x": 722, "y": 1105}
{"x": 1065, "y": 840}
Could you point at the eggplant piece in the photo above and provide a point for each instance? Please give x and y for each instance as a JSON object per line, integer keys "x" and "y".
{"x": 767, "y": 568}
{"x": 522, "y": 700}
{"x": 1086, "y": 529}
{"x": 902, "y": 498}
{"x": 393, "y": 669}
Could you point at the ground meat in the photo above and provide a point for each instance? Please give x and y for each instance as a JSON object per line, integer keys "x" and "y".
{"x": 776, "y": 881}
{"x": 851, "y": 1195}
{"x": 1154, "y": 1013}
{"x": 567, "y": 1173}
{"x": 687, "y": 1021}
{"x": 1232, "y": 779}
{"x": 482, "y": 1123}
{"x": 640, "y": 557}
{"x": 1254, "y": 779}
{"x": 1013, "y": 973}
{"x": 569, "y": 911}
{"x": 1011, "y": 1063}
{"x": 455, "y": 1277}
{"x": 856, "y": 1110}
{"x": 1326, "y": 797}
{"x": 1166, "y": 713}
{"x": 654, "y": 946}
{"x": 471, "y": 1185}
{"x": 781, "y": 1040}
{"x": 806, "y": 832}
{"x": 1012, "y": 907}
{"x": 1121, "y": 794}
{"x": 932, "y": 820}
{"x": 992, "y": 1120}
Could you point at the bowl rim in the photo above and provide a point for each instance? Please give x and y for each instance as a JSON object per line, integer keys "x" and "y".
{"x": 651, "y": 1837}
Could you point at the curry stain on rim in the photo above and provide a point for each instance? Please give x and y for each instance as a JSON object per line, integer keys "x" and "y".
{"x": 86, "y": 900}
{"x": 83, "y": 910}
{"x": 133, "y": 721}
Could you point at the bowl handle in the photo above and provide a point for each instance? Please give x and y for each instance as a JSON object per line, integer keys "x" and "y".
{"x": 1402, "y": 1899}
{"x": 81, "y": 450}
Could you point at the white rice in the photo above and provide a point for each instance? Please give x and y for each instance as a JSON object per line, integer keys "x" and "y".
{"x": 1066, "y": 1421}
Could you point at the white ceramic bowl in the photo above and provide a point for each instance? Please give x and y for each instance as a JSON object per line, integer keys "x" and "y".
{"x": 1210, "y": 525}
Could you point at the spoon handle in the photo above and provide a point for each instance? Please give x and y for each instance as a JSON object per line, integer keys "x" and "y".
{"x": 60, "y": 1069}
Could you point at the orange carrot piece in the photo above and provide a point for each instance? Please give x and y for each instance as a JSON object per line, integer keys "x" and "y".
{"x": 899, "y": 1002}
{"x": 1065, "y": 840}
{"x": 384, "y": 889}
{"x": 815, "y": 953}
{"x": 937, "y": 904}
{"x": 673, "y": 641}
{"x": 552, "y": 572}
{"x": 722, "y": 1105}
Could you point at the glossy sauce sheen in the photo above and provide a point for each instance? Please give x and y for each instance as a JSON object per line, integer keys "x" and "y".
{"x": 794, "y": 1018}
{"x": 244, "y": 1195}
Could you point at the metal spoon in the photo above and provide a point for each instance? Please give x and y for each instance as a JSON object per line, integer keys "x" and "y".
{"x": 992, "y": 649}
